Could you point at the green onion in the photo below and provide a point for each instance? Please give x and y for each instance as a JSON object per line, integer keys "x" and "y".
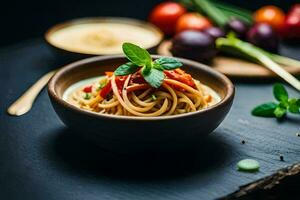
{"x": 234, "y": 11}
{"x": 248, "y": 165}
{"x": 284, "y": 60}
{"x": 233, "y": 44}
{"x": 211, "y": 11}
{"x": 87, "y": 96}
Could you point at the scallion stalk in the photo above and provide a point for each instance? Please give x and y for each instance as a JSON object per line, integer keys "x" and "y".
{"x": 211, "y": 11}
{"x": 233, "y": 44}
{"x": 234, "y": 11}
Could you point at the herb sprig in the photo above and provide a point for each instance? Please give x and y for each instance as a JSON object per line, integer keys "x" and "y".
{"x": 152, "y": 71}
{"x": 280, "y": 108}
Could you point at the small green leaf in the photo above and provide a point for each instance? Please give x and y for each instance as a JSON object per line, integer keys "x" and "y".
{"x": 146, "y": 69}
{"x": 155, "y": 77}
{"x": 136, "y": 54}
{"x": 279, "y": 112}
{"x": 167, "y": 63}
{"x": 87, "y": 96}
{"x": 294, "y": 106}
{"x": 153, "y": 97}
{"x": 265, "y": 110}
{"x": 280, "y": 92}
{"x": 125, "y": 69}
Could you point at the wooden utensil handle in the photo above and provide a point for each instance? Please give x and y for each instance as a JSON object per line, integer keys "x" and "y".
{"x": 24, "y": 103}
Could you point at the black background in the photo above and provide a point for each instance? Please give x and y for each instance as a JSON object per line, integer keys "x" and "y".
{"x": 21, "y": 20}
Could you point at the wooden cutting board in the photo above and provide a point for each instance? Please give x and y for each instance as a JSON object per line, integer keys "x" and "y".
{"x": 234, "y": 67}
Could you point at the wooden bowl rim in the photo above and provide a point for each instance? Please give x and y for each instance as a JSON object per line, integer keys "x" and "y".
{"x": 84, "y": 20}
{"x": 197, "y": 66}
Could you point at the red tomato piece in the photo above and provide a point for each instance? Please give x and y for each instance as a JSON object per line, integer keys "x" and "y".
{"x": 181, "y": 76}
{"x": 109, "y": 74}
{"x": 87, "y": 89}
{"x": 106, "y": 90}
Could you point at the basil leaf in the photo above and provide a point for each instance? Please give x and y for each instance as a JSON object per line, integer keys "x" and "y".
{"x": 280, "y": 92}
{"x": 265, "y": 110}
{"x": 167, "y": 63}
{"x": 125, "y": 69}
{"x": 136, "y": 54}
{"x": 146, "y": 69}
{"x": 294, "y": 106}
{"x": 155, "y": 77}
{"x": 279, "y": 111}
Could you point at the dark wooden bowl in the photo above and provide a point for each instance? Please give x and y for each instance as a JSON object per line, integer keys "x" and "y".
{"x": 66, "y": 56}
{"x": 139, "y": 134}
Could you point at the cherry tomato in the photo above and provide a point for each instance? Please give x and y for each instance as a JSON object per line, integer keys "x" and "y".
{"x": 106, "y": 90}
{"x": 291, "y": 29}
{"x": 192, "y": 21}
{"x": 165, "y": 15}
{"x": 271, "y": 15}
{"x": 87, "y": 89}
{"x": 181, "y": 76}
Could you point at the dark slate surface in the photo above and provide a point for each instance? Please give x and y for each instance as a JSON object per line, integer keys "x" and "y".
{"x": 41, "y": 158}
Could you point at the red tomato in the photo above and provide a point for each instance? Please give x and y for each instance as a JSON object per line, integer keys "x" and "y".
{"x": 120, "y": 80}
{"x": 87, "y": 89}
{"x": 192, "y": 21}
{"x": 181, "y": 76}
{"x": 106, "y": 90}
{"x": 271, "y": 15}
{"x": 291, "y": 28}
{"x": 165, "y": 15}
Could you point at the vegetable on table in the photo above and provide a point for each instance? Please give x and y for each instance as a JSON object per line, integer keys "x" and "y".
{"x": 228, "y": 10}
{"x": 214, "y": 13}
{"x": 271, "y": 15}
{"x": 192, "y": 21}
{"x": 263, "y": 36}
{"x": 231, "y": 45}
{"x": 194, "y": 45}
{"x": 291, "y": 27}
{"x": 280, "y": 108}
{"x": 248, "y": 165}
{"x": 232, "y": 11}
{"x": 165, "y": 16}
{"x": 239, "y": 27}
{"x": 215, "y": 32}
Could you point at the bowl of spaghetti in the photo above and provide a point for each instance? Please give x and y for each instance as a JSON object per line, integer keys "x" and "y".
{"x": 138, "y": 102}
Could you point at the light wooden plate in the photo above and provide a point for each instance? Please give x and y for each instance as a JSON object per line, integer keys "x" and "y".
{"x": 233, "y": 67}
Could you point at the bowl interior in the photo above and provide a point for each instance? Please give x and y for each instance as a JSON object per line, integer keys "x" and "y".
{"x": 96, "y": 66}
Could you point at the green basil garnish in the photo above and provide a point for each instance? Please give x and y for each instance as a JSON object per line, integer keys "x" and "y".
{"x": 279, "y": 109}
{"x": 152, "y": 71}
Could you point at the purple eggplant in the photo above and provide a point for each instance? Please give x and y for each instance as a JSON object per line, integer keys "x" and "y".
{"x": 263, "y": 36}
{"x": 237, "y": 26}
{"x": 194, "y": 45}
{"x": 215, "y": 32}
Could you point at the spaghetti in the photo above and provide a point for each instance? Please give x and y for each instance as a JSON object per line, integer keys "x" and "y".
{"x": 131, "y": 95}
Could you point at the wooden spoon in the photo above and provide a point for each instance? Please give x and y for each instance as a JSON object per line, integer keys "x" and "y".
{"x": 24, "y": 103}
